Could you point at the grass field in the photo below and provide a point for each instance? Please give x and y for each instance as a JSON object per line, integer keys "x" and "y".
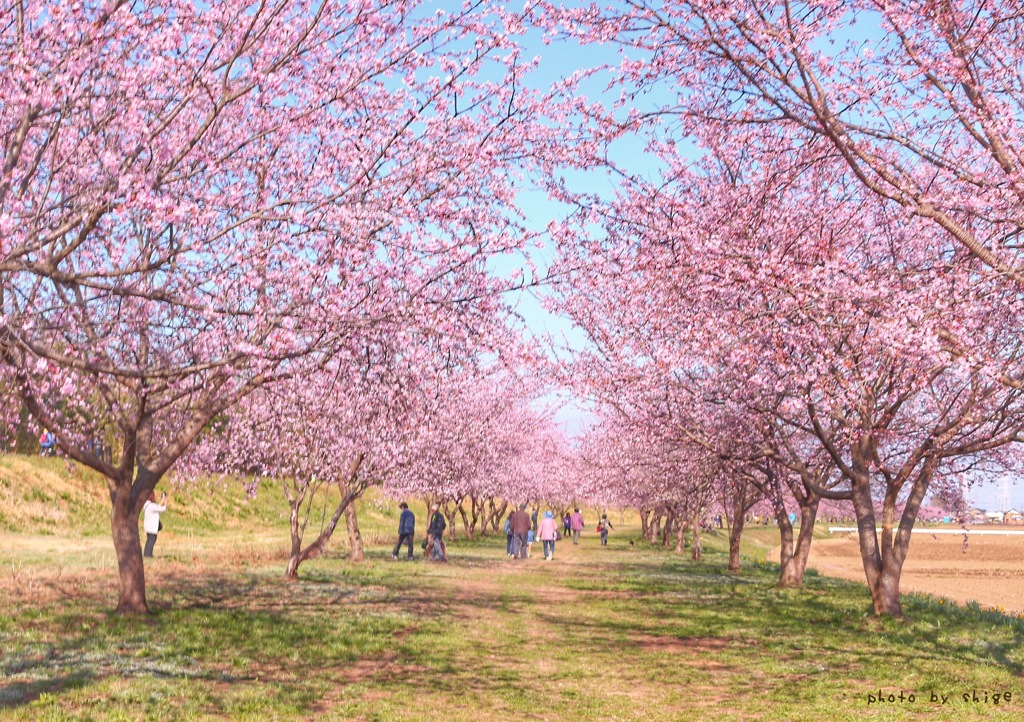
{"x": 599, "y": 633}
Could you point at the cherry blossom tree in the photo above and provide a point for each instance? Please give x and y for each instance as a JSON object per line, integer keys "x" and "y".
{"x": 201, "y": 200}
{"x": 920, "y": 101}
{"x": 487, "y": 441}
{"x": 796, "y": 295}
{"x": 345, "y": 425}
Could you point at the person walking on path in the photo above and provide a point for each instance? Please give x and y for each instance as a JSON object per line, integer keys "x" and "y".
{"x": 406, "y": 530}
{"x": 567, "y": 524}
{"x": 577, "y": 525}
{"x": 509, "y": 539}
{"x": 151, "y": 524}
{"x": 435, "y": 536}
{"x": 548, "y": 533}
{"x": 603, "y": 526}
{"x": 520, "y": 530}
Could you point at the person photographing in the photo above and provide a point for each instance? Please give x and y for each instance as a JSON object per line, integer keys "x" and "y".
{"x": 151, "y": 523}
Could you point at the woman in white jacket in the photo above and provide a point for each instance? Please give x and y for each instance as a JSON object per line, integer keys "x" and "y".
{"x": 151, "y": 512}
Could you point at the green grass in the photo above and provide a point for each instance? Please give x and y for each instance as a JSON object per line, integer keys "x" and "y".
{"x": 616, "y": 633}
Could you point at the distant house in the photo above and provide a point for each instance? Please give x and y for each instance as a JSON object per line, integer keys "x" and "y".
{"x": 994, "y": 517}
{"x": 976, "y": 516}
{"x": 1013, "y": 517}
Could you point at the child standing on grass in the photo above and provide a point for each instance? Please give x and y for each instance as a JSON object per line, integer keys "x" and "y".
{"x": 604, "y": 525}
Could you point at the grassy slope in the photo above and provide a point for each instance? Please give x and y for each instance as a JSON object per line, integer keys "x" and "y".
{"x": 610, "y": 633}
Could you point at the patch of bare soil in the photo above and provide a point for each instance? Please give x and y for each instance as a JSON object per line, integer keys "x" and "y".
{"x": 988, "y": 569}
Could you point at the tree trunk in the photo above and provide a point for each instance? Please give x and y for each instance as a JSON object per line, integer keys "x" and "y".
{"x": 355, "y": 539}
{"x": 645, "y": 521}
{"x": 885, "y": 594}
{"x": 735, "y": 535}
{"x": 298, "y": 528}
{"x": 791, "y": 573}
{"x": 466, "y": 523}
{"x": 883, "y": 580}
{"x": 497, "y": 514}
{"x": 680, "y": 537}
{"x": 788, "y": 575}
{"x": 295, "y": 555}
{"x": 481, "y": 512}
{"x": 670, "y": 520}
{"x": 695, "y": 523}
{"x": 124, "y": 523}
{"x": 654, "y": 528}
{"x": 449, "y": 509}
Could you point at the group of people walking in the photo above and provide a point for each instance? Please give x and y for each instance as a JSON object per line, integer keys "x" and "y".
{"x": 522, "y": 530}
{"x": 547, "y": 531}
{"x": 433, "y": 545}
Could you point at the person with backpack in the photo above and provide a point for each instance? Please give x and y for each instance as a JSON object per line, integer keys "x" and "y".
{"x": 435, "y": 536}
{"x": 602, "y": 527}
{"x": 47, "y": 443}
{"x": 406, "y": 530}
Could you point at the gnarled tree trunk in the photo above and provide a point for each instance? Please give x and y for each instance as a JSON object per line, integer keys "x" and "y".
{"x": 681, "y": 537}
{"x": 124, "y": 523}
{"x": 670, "y": 520}
{"x": 299, "y": 554}
{"x": 793, "y": 559}
{"x": 355, "y": 539}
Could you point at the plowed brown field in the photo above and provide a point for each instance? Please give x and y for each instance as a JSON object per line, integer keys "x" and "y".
{"x": 989, "y": 570}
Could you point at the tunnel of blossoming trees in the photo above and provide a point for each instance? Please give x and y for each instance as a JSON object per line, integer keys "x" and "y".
{"x": 786, "y": 237}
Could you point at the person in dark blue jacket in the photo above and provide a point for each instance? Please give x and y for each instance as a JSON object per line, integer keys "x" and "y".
{"x": 406, "y": 530}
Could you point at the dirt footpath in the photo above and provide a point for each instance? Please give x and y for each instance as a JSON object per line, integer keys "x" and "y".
{"x": 990, "y": 570}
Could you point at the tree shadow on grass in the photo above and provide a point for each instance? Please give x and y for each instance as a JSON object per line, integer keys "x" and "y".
{"x": 828, "y": 621}
{"x": 254, "y": 630}
{"x": 19, "y": 693}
